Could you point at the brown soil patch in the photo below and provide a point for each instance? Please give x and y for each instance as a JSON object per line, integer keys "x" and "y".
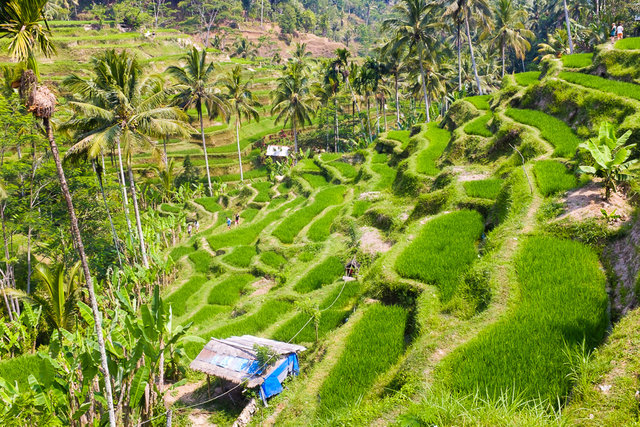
{"x": 372, "y": 241}
{"x": 625, "y": 260}
{"x": 262, "y": 286}
{"x": 586, "y": 202}
{"x": 465, "y": 175}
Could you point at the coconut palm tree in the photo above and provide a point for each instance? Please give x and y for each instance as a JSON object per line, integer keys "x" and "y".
{"x": 342, "y": 64}
{"x": 22, "y": 21}
{"x": 195, "y": 89}
{"x": 117, "y": 107}
{"x": 412, "y": 27}
{"x": 510, "y": 30}
{"x": 242, "y": 103}
{"x": 568, "y": 23}
{"x": 300, "y": 53}
{"x": 292, "y": 100}
{"x": 326, "y": 91}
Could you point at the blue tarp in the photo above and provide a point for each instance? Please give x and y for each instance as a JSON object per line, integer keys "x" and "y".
{"x": 272, "y": 384}
{"x": 234, "y": 363}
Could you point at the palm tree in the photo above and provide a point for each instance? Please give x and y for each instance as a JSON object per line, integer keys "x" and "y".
{"x": 292, "y": 100}
{"x": 342, "y": 65}
{"x": 394, "y": 64}
{"x": 454, "y": 10}
{"x": 118, "y": 107}
{"x": 511, "y": 32}
{"x": 412, "y": 29}
{"x": 195, "y": 90}
{"x": 568, "y": 23}
{"x": 22, "y": 21}
{"x": 241, "y": 103}
{"x": 300, "y": 53}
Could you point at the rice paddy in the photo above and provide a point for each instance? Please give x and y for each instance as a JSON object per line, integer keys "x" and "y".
{"x": 555, "y": 131}
{"x": 479, "y": 126}
{"x": 481, "y": 102}
{"x": 229, "y": 290}
{"x": 553, "y": 177}
{"x": 527, "y": 78}
{"x": 437, "y": 140}
{"x": 624, "y": 89}
{"x": 241, "y": 256}
{"x": 321, "y": 228}
{"x": 577, "y": 60}
{"x": 327, "y": 272}
{"x": 484, "y": 188}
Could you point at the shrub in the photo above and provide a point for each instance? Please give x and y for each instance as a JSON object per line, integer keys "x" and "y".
{"x": 528, "y": 78}
{"x": 438, "y": 139}
{"x": 269, "y": 312}
{"x": 178, "y": 299}
{"x": 553, "y": 177}
{"x": 443, "y": 251}
{"x": 479, "y": 126}
{"x": 555, "y": 131}
{"x": 273, "y": 259}
{"x": 241, "y": 256}
{"x": 481, "y": 102}
{"x": 321, "y": 229}
{"x": 295, "y": 222}
{"x": 316, "y": 181}
{"x": 229, "y": 290}
{"x": 209, "y": 203}
{"x": 374, "y": 345}
{"x": 626, "y": 90}
{"x": 484, "y": 188}
{"x": 323, "y": 274}
{"x": 562, "y": 301}
{"x": 201, "y": 260}
{"x": 577, "y": 60}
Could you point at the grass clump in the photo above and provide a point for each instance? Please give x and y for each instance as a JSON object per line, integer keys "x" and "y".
{"x": 241, "y": 256}
{"x": 555, "y": 131}
{"x": 209, "y": 203}
{"x": 273, "y": 259}
{"x": 577, "y": 60}
{"x": 374, "y": 345}
{"x": 479, "y": 126}
{"x": 528, "y": 78}
{"x": 562, "y": 302}
{"x": 484, "y": 188}
{"x": 323, "y": 274}
{"x": 321, "y": 229}
{"x": 443, "y": 251}
{"x": 316, "y": 181}
{"x": 627, "y": 90}
{"x": 291, "y": 226}
{"x": 178, "y": 299}
{"x": 629, "y": 43}
{"x": 481, "y": 102}
{"x": 201, "y": 260}
{"x": 553, "y": 177}
{"x": 438, "y": 139}
{"x": 230, "y": 290}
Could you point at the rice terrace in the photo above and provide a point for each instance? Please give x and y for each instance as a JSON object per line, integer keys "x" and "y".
{"x": 320, "y": 213}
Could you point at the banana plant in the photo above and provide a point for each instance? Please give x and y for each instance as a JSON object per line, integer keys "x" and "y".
{"x": 611, "y": 158}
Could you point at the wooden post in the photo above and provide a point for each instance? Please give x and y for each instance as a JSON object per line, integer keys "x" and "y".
{"x": 208, "y": 386}
{"x": 169, "y": 413}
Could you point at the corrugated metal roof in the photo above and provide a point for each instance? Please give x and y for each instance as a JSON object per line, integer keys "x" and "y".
{"x": 278, "y": 150}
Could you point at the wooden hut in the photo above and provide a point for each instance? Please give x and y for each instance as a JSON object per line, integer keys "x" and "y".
{"x": 234, "y": 359}
{"x": 278, "y": 152}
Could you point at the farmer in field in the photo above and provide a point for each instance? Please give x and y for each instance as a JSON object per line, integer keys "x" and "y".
{"x": 237, "y": 219}
{"x": 229, "y": 223}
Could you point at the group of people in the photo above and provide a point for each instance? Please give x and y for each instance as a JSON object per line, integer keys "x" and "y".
{"x": 617, "y": 32}
{"x": 237, "y": 218}
{"x": 193, "y": 225}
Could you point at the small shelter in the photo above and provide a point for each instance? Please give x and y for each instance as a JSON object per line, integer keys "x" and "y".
{"x": 278, "y": 152}
{"x": 352, "y": 268}
{"x": 234, "y": 359}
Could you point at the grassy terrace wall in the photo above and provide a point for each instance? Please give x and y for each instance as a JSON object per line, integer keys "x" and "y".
{"x": 562, "y": 301}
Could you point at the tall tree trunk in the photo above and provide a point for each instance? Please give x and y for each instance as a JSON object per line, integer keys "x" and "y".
{"x": 459, "y": 57}
{"x": 566, "y": 18}
{"x": 424, "y": 87}
{"x": 473, "y": 57}
{"x": 29, "y": 259}
{"x": 9, "y": 278}
{"x": 204, "y": 149}
{"x": 295, "y": 141}
{"x": 337, "y": 133}
{"x": 395, "y": 74}
{"x": 261, "y": 13}
{"x": 77, "y": 240}
{"x": 238, "y": 142}
{"x": 164, "y": 146}
{"x": 125, "y": 200}
{"x": 384, "y": 113}
{"x": 368, "y": 117}
{"x": 134, "y": 197}
{"x": 355, "y": 102}
{"x": 377, "y": 117}
{"x": 114, "y": 235}
{"x": 503, "y": 42}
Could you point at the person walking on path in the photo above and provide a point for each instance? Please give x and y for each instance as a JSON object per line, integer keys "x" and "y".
{"x": 189, "y": 228}
{"x": 620, "y": 31}
{"x": 197, "y": 226}
{"x": 229, "y": 223}
{"x": 237, "y": 219}
{"x": 614, "y": 31}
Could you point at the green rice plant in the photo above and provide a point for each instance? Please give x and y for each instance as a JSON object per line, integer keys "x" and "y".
{"x": 624, "y": 89}
{"x": 269, "y": 313}
{"x": 260, "y": 172}
{"x": 399, "y": 135}
{"x": 230, "y": 289}
{"x": 291, "y": 226}
{"x": 380, "y": 158}
{"x": 528, "y": 78}
{"x": 180, "y": 251}
{"x": 479, "y": 126}
{"x": 373, "y": 346}
{"x": 555, "y": 131}
{"x": 316, "y": 181}
{"x": 347, "y": 170}
{"x": 247, "y": 233}
{"x": 308, "y": 165}
{"x": 577, "y": 60}
{"x": 18, "y": 369}
{"x": 241, "y": 256}
{"x": 334, "y": 310}
{"x": 248, "y": 214}
{"x": 273, "y": 259}
{"x": 481, "y": 102}
{"x": 323, "y": 274}
{"x": 178, "y": 299}
{"x": 484, "y": 188}
{"x": 201, "y": 260}
{"x": 443, "y": 250}
{"x": 320, "y": 230}
{"x": 562, "y": 301}
{"x": 208, "y": 313}
{"x": 276, "y": 201}
{"x": 264, "y": 191}
{"x": 209, "y": 203}
{"x": 360, "y": 207}
{"x": 170, "y": 208}
{"x": 553, "y": 177}
{"x": 387, "y": 175}
{"x": 438, "y": 139}
{"x": 629, "y": 43}
{"x": 330, "y": 157}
